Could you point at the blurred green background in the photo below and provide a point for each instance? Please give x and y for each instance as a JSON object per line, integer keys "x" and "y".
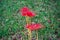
{"x": 48, "y": 13}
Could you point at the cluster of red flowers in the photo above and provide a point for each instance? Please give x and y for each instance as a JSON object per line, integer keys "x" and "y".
{"x": 26, "y": 12}
{"x": 34, "y": 26}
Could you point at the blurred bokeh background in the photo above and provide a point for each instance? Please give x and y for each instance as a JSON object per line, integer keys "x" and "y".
{"x": 12, "y": 23}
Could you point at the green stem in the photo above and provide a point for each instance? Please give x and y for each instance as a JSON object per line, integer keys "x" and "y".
{"x": 37, "y": 34}
{"x": 29, "y": 31}
{"x": 30, "y": 36}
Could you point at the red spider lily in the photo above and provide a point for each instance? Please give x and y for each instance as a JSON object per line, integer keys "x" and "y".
{"x": 34, "y": 26}
{"x": 26, "y": 12}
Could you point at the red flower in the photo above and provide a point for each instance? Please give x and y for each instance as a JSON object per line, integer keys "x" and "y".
{"x": 34, "y": 26}
{"x": 26, "y": 12}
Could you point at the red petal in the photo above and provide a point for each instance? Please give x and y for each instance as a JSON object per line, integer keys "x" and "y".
{"x": 30, "y": 14}
{"x": 34, "y": 26}
{"x": 26, "y": 12}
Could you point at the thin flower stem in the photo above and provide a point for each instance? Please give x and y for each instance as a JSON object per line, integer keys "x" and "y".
{"x": 28, "y": 20}
{"x": 29, "y": 31}
{"x": 36, "y": 35}
{"x": 30, "y": 37}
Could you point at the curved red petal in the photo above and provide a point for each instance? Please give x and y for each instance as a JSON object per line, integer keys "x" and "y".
{"x": 26, "y": 12}
{"x": 34, "y": 26}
